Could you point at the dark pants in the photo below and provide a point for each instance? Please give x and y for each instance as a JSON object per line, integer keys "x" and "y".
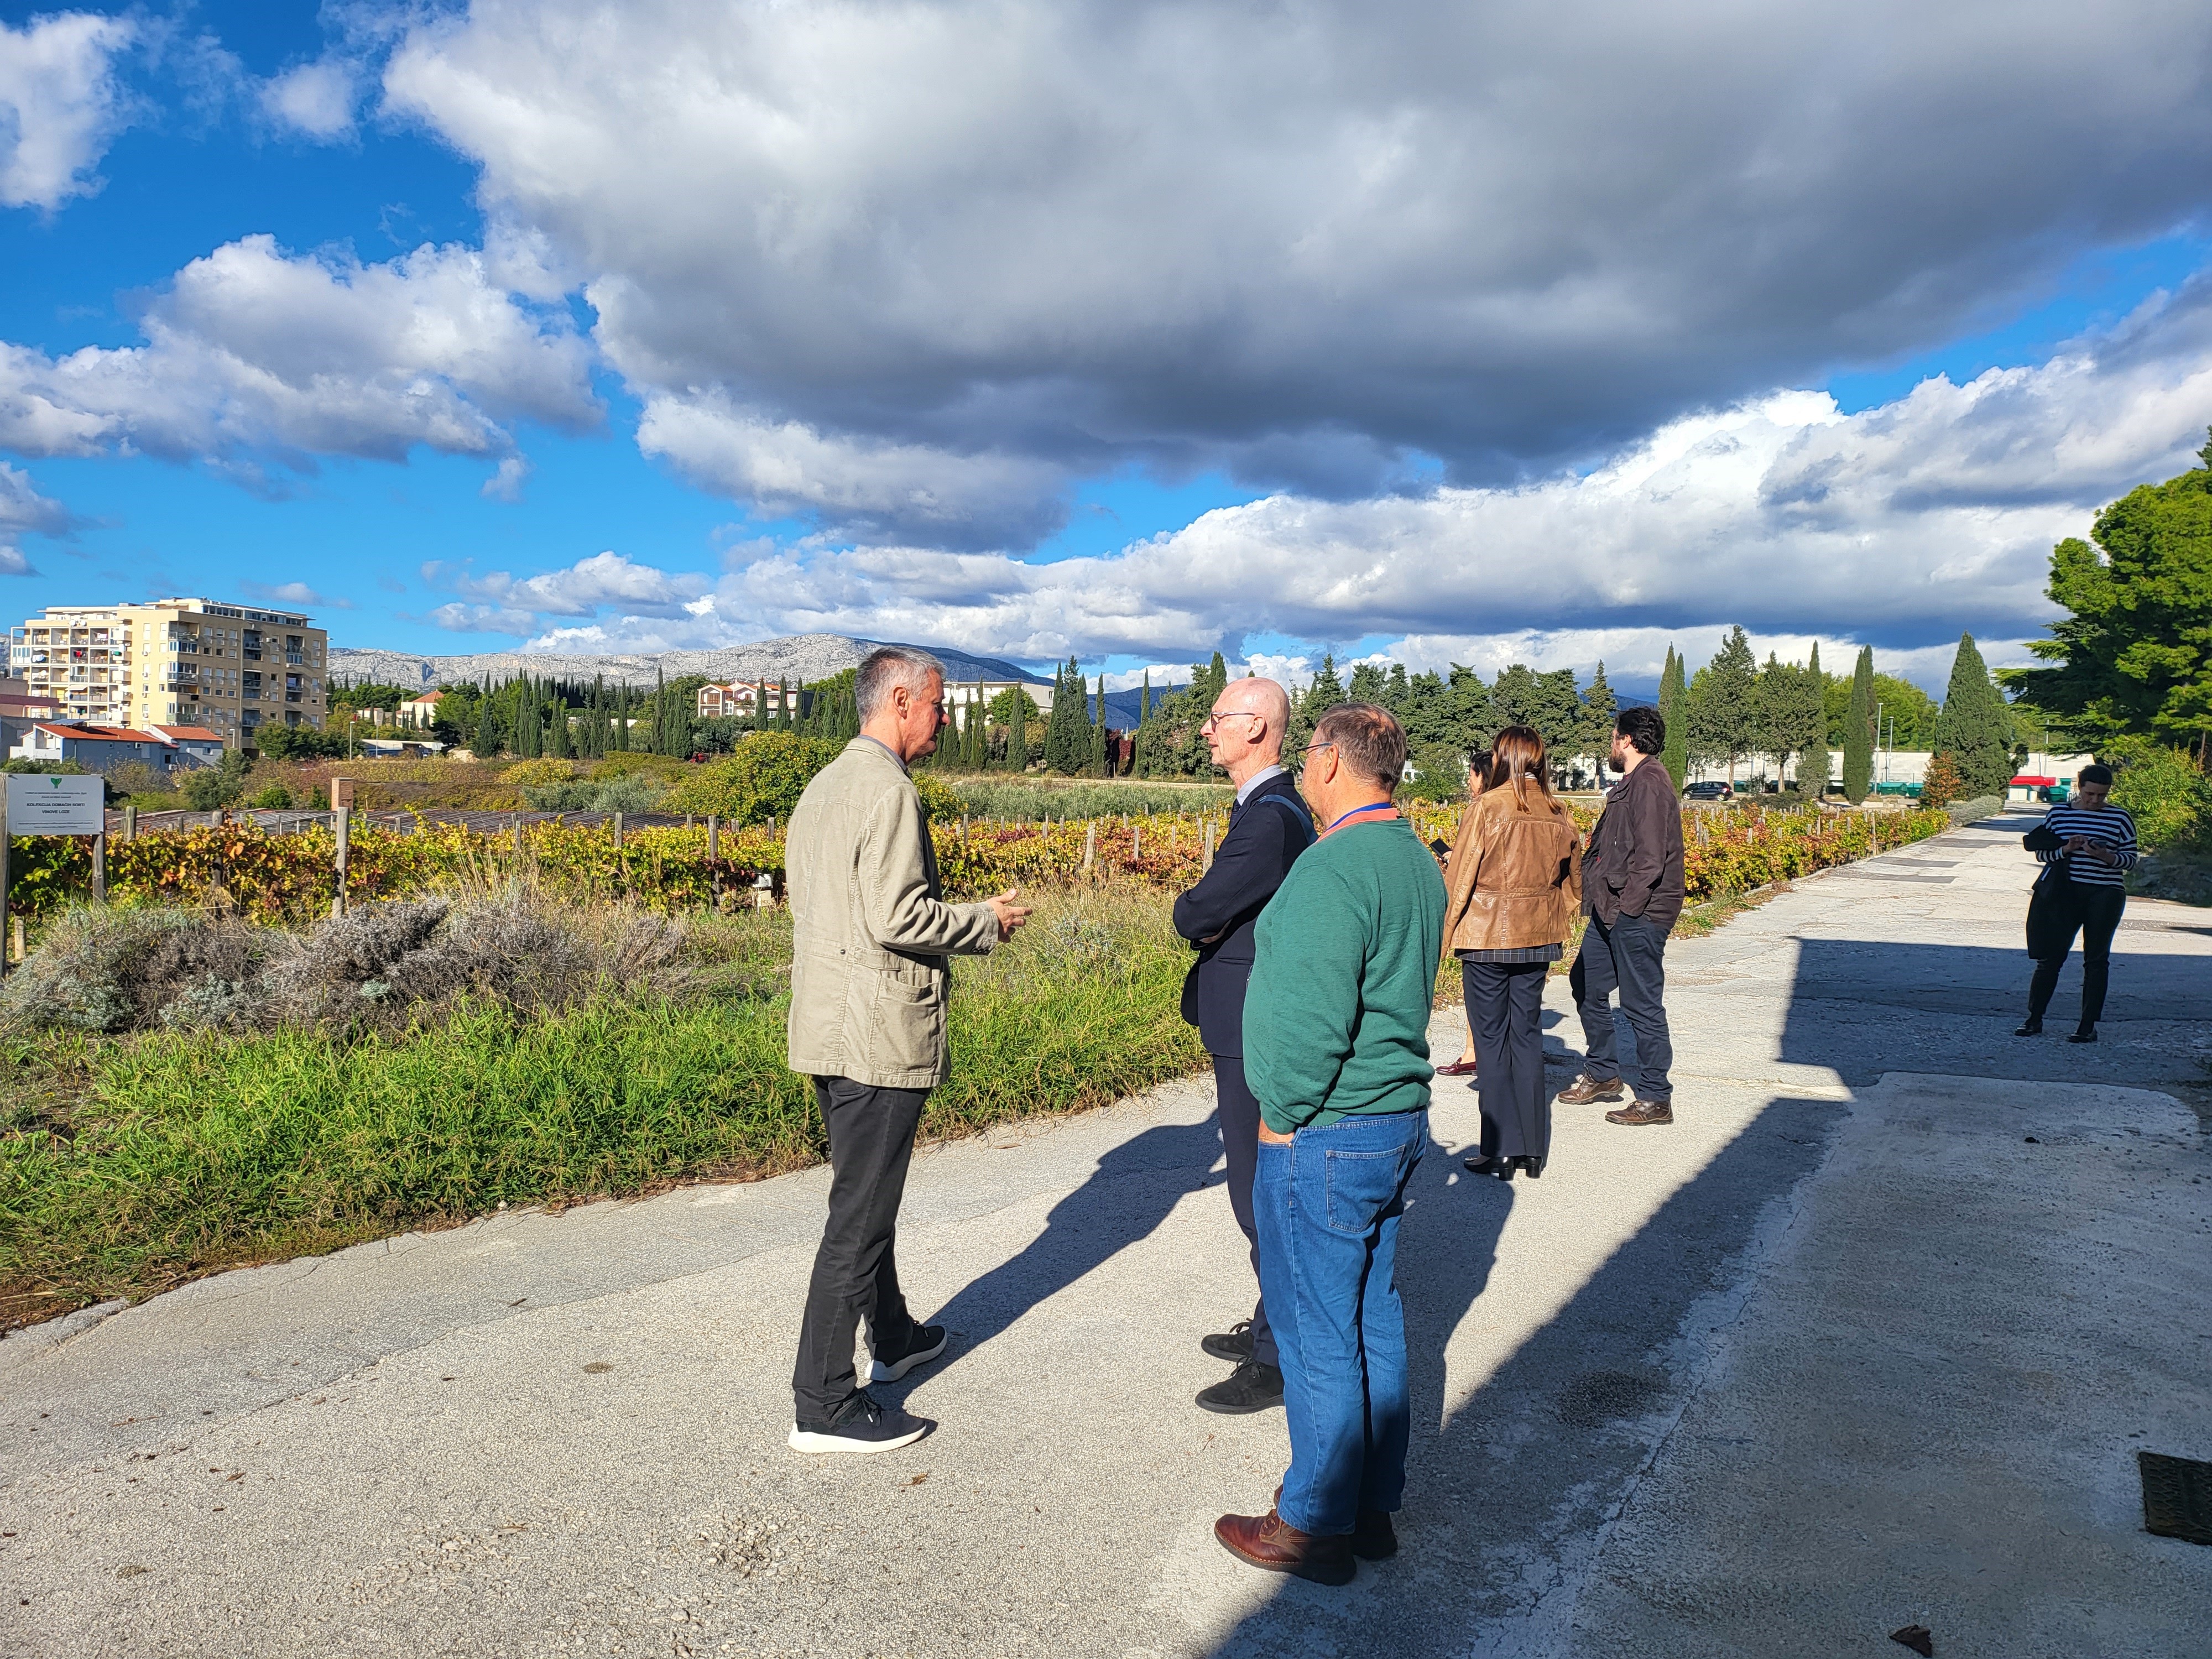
{"x": 1239, "y": 1148}
{"x": 2094, "y": 912}
{"x": 870, "y": 1143}
{"x": 1505, "y": 1010}
{"x": 1629, "y": 957}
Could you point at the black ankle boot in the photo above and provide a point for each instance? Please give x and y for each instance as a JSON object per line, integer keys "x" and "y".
{"x": 2085, "y": 1033}
{"x": 2031, "y": 1027}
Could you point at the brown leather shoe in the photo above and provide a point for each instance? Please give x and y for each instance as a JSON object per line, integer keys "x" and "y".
{"x": 1586, "y": 1088}
{"x": 1265, "y": 1541}
{"x": 1641, "y": 1112}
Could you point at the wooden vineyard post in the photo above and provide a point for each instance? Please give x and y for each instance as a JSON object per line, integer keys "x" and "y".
{"x": 131, "y": 822}
{"x": 618, "y": 818}
{"x": 5, "y": 917}
{"x": 1206, "y": 855}
{"x": 714, "y": 837}
{"x": 100, "y": 868}
{"x": 1091, "y": 848}
{"x": 342, "y": 807}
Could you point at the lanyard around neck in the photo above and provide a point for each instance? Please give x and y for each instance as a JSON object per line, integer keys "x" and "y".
{"x": 1372, "y": 806}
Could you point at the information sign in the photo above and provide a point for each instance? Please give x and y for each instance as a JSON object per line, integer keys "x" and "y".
{"x": 54, "y": 804}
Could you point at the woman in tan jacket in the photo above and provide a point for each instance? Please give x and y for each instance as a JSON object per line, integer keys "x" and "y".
{"x": 1515, "y": 883}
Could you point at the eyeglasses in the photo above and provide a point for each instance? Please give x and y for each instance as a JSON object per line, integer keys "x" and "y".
{"x": 1213, "y": 721}
{"x": 1315, "y": 748}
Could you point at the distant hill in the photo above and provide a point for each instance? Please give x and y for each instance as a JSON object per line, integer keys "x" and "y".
{"x": 807, "y": 657}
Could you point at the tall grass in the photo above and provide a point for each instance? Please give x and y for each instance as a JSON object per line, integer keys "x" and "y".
{"x": 180, "y": 1154}
{"x": 1026, "y": 802}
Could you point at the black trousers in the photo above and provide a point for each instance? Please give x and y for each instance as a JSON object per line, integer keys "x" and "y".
{"x": 871, "y": 1144}
{"x": 1240, "y": 1149}
{"x": 2094, "y": 912}
{"x": 1505, "y": 1007}
{"x": 1629, "y": 957}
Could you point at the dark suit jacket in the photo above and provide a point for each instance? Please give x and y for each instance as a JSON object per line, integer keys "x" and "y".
{"x": 1634, "y": 863}
{"x": 1256, "y": 853}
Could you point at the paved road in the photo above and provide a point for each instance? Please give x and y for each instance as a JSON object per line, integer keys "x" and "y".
{"x": 1869, "y": 1338}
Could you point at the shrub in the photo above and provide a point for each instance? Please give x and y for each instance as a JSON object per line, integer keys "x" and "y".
{"x": 1940, "y": 784}
{"x": 298, "y": 743}
{"x": 207, "y": 787}
{"x": 763, "y": 780}
{"x": 135, "y": 780}
{"x": 523, "y": 774}
{"x": 2166, "y": 794}
{"x": 625, "y": 791}
{"x": 275, "y": 798}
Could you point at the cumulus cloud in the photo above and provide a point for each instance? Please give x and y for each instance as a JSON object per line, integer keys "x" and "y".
{"x": 313, "y": 99}
{"x": 1900, "y": 524}
{"x": 893, "y": 266}
{"x": 60, "y": 105}
{"x": 23, "y": 511}
{"x": 582, "y": 589}
{"x": 255, "y": 359}
{"x": 293, "y": 594}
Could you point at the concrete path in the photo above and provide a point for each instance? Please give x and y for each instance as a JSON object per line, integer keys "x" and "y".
{"x": 1869, "y": 1338}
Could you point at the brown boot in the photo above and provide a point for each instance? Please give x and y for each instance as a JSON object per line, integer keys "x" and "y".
{"x": 1641, "y": 1112}
{"x": 1265, "y": 1541}
{"x": 1586, "y": 1088}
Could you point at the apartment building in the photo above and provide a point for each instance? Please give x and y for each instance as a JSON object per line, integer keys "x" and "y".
{"x": 176, "y": 662}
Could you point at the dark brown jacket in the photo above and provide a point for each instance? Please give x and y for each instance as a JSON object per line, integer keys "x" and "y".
{"x": 1516, "y": 874}
{"x": 1635, "y": 865}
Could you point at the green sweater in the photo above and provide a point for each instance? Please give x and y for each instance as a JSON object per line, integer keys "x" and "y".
{"x": 1344, "y": 973}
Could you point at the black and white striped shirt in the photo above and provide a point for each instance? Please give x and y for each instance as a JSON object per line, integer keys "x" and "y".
{"x": 2111, "y": 825}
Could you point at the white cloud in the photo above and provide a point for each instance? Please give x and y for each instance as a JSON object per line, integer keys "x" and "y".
{"x": 898, "y": 265}
{"x": 256, "y": 359}
{"x": 315, "y": 99}
{"x": 582, "y": 589}
{"x": 293, "y": 594}
{"x": 23, "y": 511}
{"x": 60, "y": 105}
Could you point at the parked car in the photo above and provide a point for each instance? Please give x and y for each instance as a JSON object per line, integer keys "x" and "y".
{"x": 1709, "y": 791}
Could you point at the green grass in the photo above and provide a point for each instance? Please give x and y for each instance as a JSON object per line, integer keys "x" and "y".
{"x": 129, "y": 1164}
{"x": 1026, "y": 801}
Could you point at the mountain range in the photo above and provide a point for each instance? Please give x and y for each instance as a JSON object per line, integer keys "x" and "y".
{"x": 795, "y": 657}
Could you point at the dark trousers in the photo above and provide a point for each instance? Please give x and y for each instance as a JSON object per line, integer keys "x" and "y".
{"x": 2094, "y": 912}
{"x": 1505, "y": 1010}
{"x": 1239, "y": 1148}
{"x": 1629, "y": 957}
{"x": 870, "y": 1143}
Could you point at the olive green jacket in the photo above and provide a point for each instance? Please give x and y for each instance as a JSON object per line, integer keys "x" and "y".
{"x": 871, "y": 934}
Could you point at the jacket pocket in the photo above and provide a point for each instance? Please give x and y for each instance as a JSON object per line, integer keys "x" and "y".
{"x": 1361, "y": 1188}
{"x": 904, "y": 1022}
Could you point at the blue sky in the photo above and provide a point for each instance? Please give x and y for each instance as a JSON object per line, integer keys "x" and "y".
{"x": 890, "y": 381}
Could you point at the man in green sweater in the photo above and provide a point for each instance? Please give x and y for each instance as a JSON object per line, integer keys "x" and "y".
{"x": 1336, "y": 1048}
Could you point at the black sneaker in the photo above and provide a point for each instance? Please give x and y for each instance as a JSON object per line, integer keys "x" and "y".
{"x": 1233, "y": 1345}
{"x": 861, "y": 1425}
{"x": 1252, "y": 1387}
{"x": 923, "y": 1344}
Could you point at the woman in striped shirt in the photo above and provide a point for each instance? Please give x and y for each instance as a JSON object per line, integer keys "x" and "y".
{"x": 2098, "y": 847}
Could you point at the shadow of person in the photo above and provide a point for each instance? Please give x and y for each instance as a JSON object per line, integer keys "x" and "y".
{"x": 1129, "y": 1194}
{"x": 1447, "y": 1247}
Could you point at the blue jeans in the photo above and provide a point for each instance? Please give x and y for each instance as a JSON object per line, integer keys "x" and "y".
{"x": 1328, "y": 1207}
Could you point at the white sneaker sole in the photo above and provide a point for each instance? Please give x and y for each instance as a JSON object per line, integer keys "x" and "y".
{"x": 806, "y": 1440}
{"x": 879, "y": 1372}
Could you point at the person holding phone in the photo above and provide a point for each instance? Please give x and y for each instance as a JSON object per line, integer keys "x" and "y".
{"x": 2092, "y": 844}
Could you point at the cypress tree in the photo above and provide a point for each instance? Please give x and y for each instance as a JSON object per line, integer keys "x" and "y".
{"x": 1600, "y": 710}
{"x": 1099, "y": 766}
{"x": 559, "y": 747}
{"x": 1144, "y": 700}
{"x": 1017, "y": 735}
{"x": 1975, "y": 728}
{"x": 1859, "y": 730}
{"x": 1066, "y": 744}
{"x": 1673, "y": 712}
{"x": 1813, "y": 759}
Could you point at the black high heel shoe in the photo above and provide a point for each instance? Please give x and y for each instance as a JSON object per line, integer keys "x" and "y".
{"x": 1478, "y": 1164}
{"x": 1531, "y": 1167}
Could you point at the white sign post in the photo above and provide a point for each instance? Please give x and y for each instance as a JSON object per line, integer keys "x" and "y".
{"x": 50, "y": 803}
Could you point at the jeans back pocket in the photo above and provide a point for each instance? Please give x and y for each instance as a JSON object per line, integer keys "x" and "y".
{"x": 1361, "y": 1188}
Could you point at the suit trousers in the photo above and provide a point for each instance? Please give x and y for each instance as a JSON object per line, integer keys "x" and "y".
{"x": 1240, "y": 1150}
{"x": 1629, "y": 957}
{"x": 1505, "y": 1011}
{"x": 855, "y": 1269}
{"x": 2095, "y": 911}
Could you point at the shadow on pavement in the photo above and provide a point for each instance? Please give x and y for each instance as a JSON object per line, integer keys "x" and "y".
{"x": 1533, "y": 1461}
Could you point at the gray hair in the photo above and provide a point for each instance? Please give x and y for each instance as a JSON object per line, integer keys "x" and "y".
{"x": 888, "y": 667}
{"x": 1369, "y": 742}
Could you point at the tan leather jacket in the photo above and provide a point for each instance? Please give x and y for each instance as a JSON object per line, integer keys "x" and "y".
{"x": 1516, "y": 878}
{"x": 869, "y": 935}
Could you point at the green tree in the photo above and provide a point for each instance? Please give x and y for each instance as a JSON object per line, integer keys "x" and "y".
{"x": 1018, "y": 736}
{"x": 1975, "y": 728}
{"x": 763, "y": 779}
{"x": 1859, "y": 730}
{"x": 1067, "y": 727}
{"x": 1600, "y": 710}
{"x": 1099, "y": 766}
{"x": 1724, "y": 716}
{"x": 1549, "y": 702}
{"x": 1321, "y": 694}
{"x": 1813, "y": 747}
{"x": 1674, "y": 714}
{"x": 2133, "y": 654}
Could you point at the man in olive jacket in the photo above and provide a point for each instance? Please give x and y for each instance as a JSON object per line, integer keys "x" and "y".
{"x": 870, "y": 978}
{"x": 1632, "y": 891}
